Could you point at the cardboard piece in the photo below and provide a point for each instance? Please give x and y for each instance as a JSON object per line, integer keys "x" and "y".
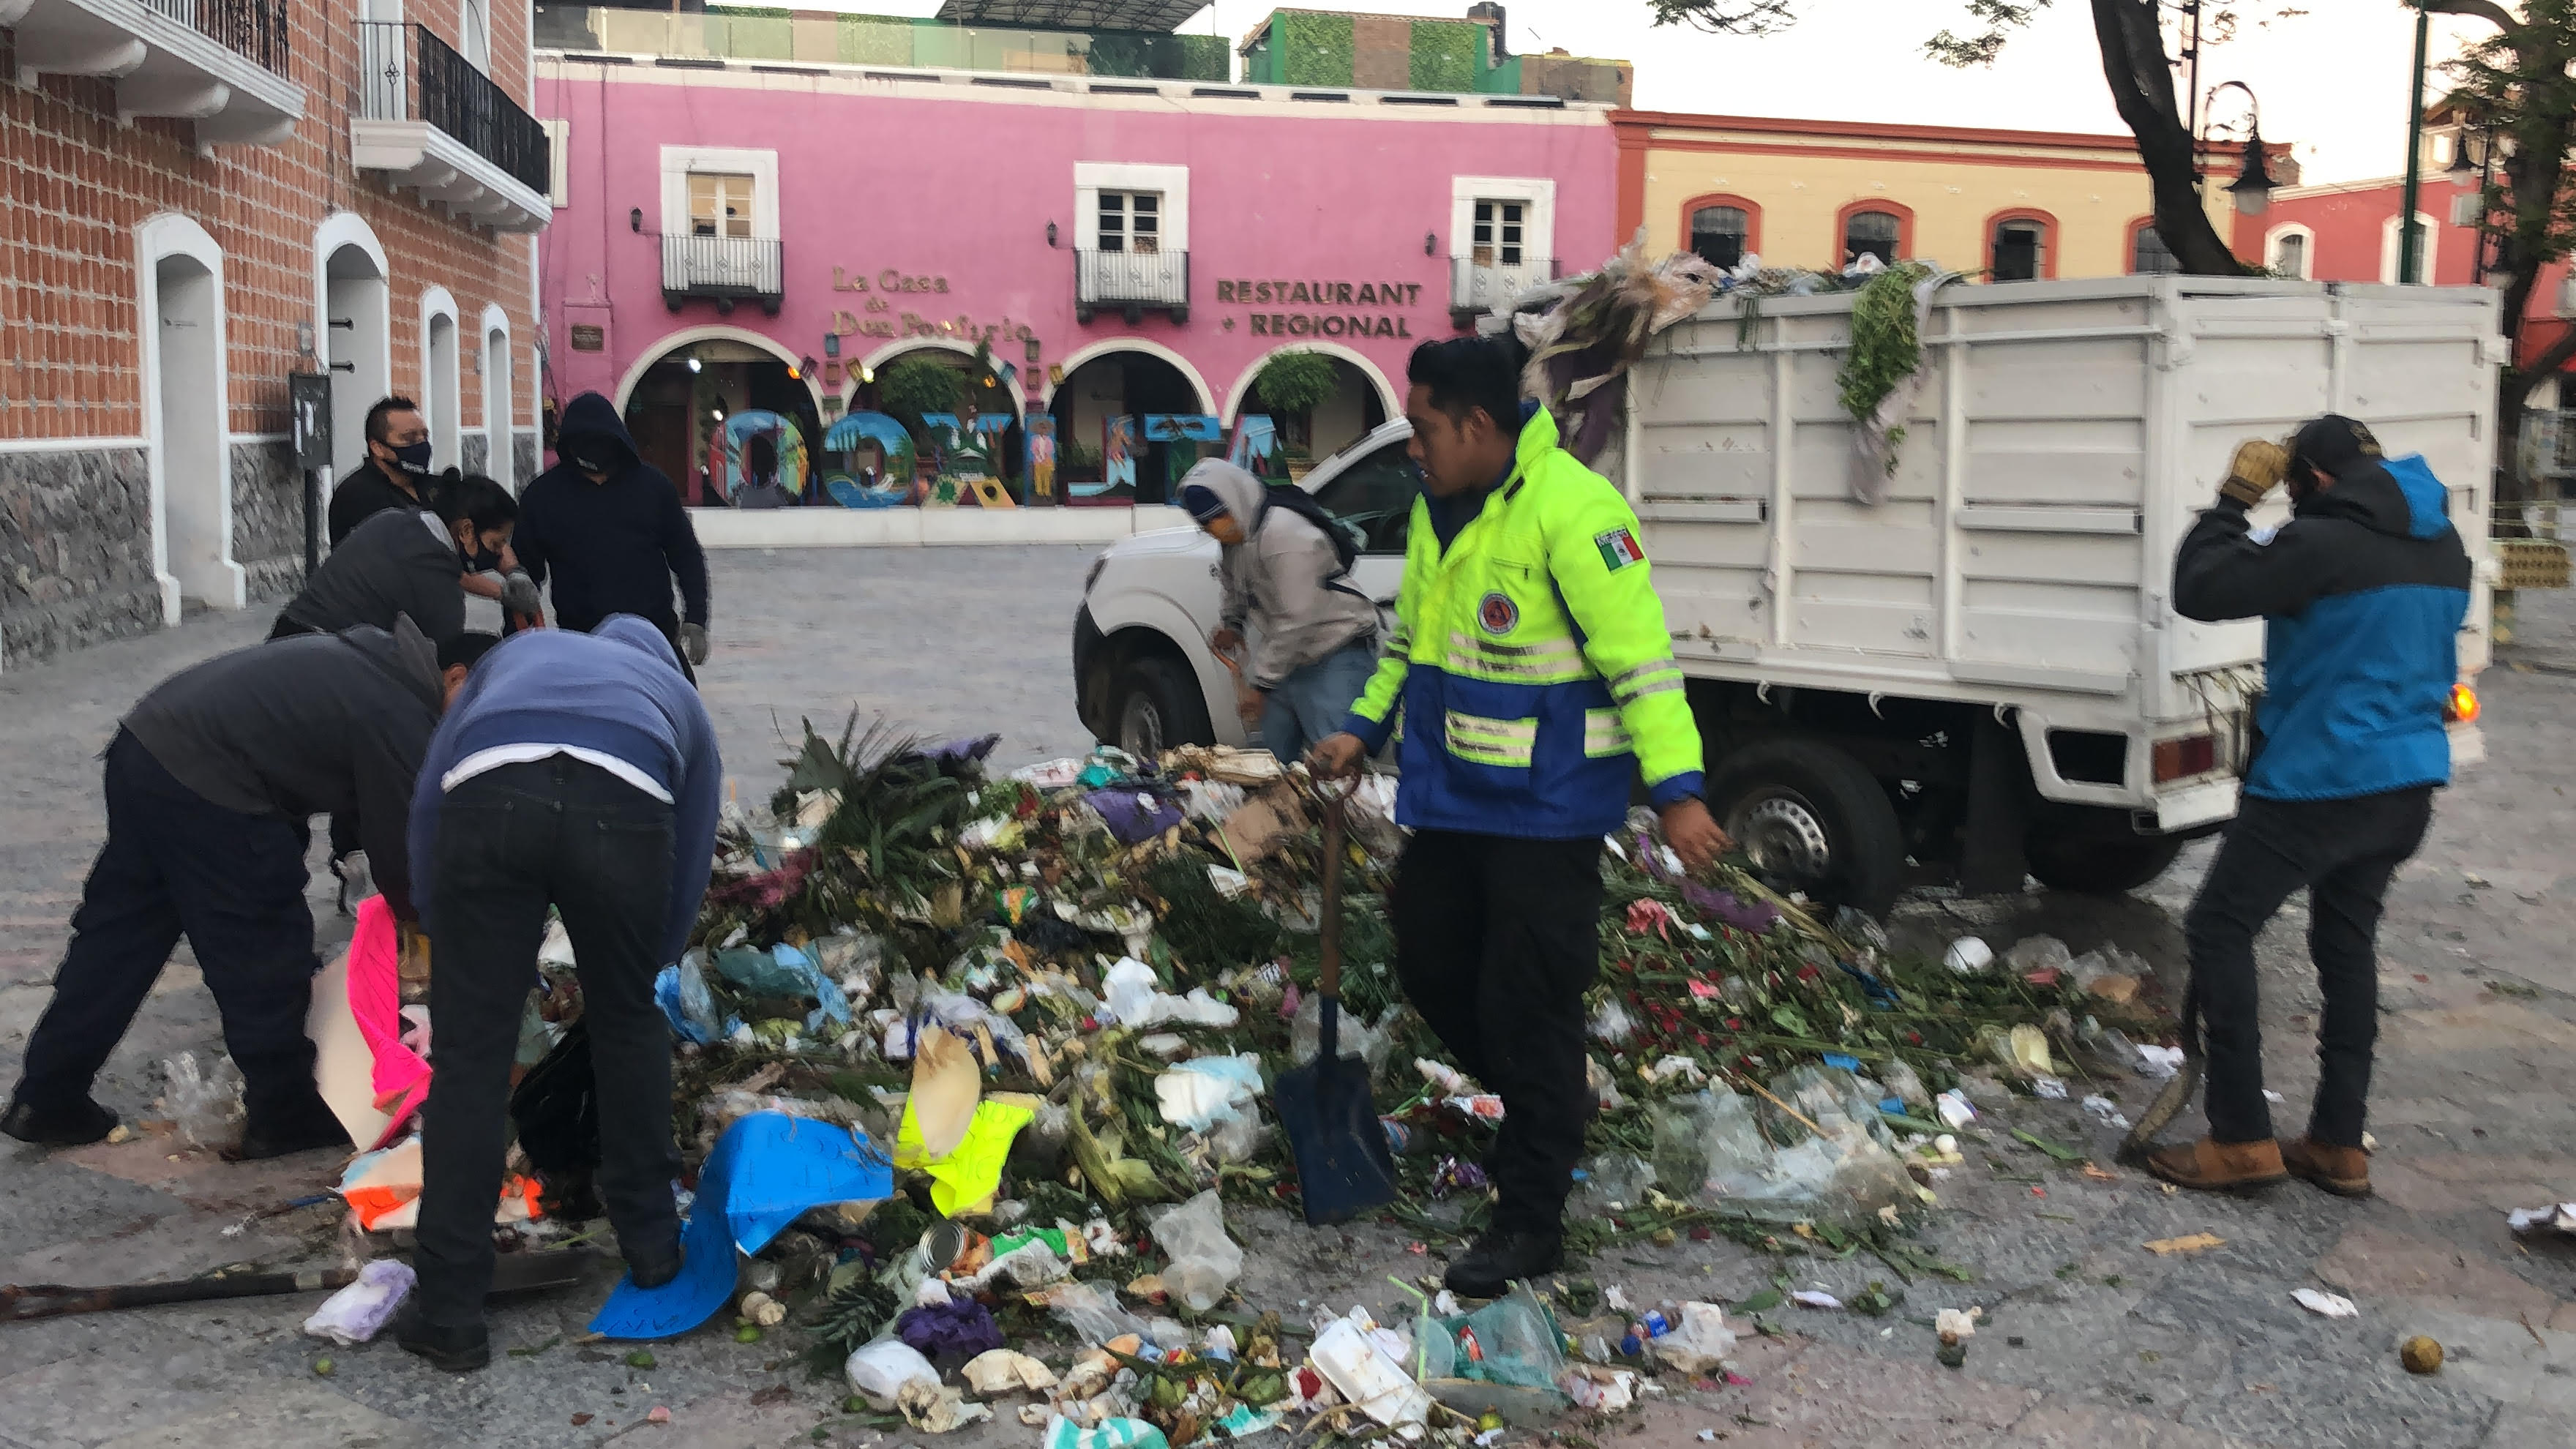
{"x": 1254, "y": 831}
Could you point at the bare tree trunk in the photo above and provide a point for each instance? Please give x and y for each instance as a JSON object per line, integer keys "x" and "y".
{"x": 2141, "y": 79}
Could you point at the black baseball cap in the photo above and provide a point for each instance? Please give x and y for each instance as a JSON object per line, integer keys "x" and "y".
{"x": 2331, "y": 444}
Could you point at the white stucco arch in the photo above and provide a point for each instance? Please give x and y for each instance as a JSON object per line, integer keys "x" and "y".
{"x": 1107, "y": 345}
{"x": 186, "y": 408}
{"x": 442, "y": 387}
{"x": 670, "y": 342}
{"x": 498, "y": 371}
{"x": 1387, "y": 396}
{"x": 897, "y": 350}
{"x": 358, "y": 358}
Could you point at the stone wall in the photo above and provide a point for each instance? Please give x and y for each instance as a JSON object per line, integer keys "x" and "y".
{"x": 474, "y": 454}
{"x": 268, "y": 517}
{"x": 525, "y": 460}
{"x": 75, "y": 551}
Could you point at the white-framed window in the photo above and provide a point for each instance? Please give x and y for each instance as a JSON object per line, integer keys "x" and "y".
{"x": 720, "y": 203}
{"x": 2390, "y": 244}
{"x": 1130, "y": 221}
{"x": 733, "y": 191}
{"x": 2290, "y": 251}
{"x": 558, "y": 160}
{"x": 1503, "y": 223}
{"x": 1139, "y": 210}
{"x": 474, "y": 33}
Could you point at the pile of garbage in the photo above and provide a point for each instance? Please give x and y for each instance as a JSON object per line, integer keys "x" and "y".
{"x": 972, "y": 1059}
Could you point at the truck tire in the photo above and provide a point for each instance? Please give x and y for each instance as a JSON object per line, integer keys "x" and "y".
{"x": 1813, "y": 820}
{"x": 2097, "y": 865}
{"x": 1155, "y": 705}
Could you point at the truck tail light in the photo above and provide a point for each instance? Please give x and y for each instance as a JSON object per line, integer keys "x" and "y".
{"x": 2181, "y": 759}
{"x": 2462, "y": 707}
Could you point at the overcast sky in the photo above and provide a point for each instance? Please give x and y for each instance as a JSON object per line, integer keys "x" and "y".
{"x": 2332, "y": 83}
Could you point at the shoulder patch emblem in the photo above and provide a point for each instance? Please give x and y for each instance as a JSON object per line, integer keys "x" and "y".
{"x": 1618, "y": 549}
{"x": 1497, "y": 614}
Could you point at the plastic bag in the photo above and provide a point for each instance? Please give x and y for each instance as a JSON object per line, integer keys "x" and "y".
{"x": 1699, "y": 1341}
{"x": 1614, "y": 1182}
{"x": 855, "y": 960}
{"x": 1353, "y": 1036}
{"x": 1092, "y": 1312}
{"x": 1516, "y": 1342}
{"x": 1344, "y": 1354}
{"x": 1200, "y": 1093}
{"x": 1205, "y": 1259}
{"x": 879, "y": 1371}
{"x": 2037, "y": 953}
{"x": 207, "y": 1107}
{"x": 784, "y": 971}
{"x": 681, "y": 991}
{"x": 358, "y": 1312}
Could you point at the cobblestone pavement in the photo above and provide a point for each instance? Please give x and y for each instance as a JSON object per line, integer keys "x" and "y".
{"x": 2090, "y": 1339}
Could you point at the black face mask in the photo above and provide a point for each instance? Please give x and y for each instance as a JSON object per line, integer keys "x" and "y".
{"x": 412, "y": 458}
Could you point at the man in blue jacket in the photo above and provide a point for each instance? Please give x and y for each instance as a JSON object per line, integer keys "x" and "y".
{"x": 2362, "y": 594}
{"x": 577, "y": 771}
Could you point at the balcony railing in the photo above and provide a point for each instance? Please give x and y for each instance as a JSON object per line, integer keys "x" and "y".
{"x": 1476, "y": 286}
{"x": 252, "y": 29}
{"x": 727, "y": 268}
{"x": 1131, "y": 282}
{"x": 408, "y": 74}
{"x": 822, "y": 37}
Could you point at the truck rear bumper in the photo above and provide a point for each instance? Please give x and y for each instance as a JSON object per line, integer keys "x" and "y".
{"x": 2190, "y": 809}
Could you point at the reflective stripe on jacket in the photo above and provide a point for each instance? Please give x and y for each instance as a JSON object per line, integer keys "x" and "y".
{"x": 1531, "y": 662}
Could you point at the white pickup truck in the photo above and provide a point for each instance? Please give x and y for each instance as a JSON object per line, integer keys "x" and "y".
{"x": 1983, "y": 674}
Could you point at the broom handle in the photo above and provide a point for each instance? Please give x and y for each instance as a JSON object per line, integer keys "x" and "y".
{"x": 1332, "y": 934}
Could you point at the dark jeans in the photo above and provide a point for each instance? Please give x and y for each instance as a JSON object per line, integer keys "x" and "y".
{"x": 2344, "y": 852}
{"x": 511, "y": 842}
{"x": 233, "y": 884}
{"x": 1496, "y": 940}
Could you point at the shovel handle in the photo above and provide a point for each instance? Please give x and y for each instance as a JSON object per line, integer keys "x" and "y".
{"x": 53, "y": 1300}
{"x": 1331, "y": 948}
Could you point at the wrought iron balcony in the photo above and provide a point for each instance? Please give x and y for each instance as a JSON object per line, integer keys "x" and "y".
{"x": 219, "y": 63}
{"x": 438, "y": 123}
{"x": 1131, "y": 283}
{"x": 1476, "y": 287}
{"x": 728, "y": 268}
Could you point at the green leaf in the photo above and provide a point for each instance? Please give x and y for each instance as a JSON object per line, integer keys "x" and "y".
{"x": 2058, "y": 1150}
{"x": 1762, "y": 1302}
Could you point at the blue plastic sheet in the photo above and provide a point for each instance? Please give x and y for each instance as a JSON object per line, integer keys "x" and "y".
{"x": 766, "y": 1171}
{"x": 681, "y": 992}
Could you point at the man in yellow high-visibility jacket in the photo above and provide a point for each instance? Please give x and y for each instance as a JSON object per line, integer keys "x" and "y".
{"x": 1535, "y": 677}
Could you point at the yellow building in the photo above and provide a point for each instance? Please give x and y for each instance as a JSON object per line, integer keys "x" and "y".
{"x": 2018, "y": 204}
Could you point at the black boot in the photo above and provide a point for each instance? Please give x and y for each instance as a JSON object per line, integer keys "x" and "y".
{"x": 1500, "y": 1258}
{"x": 303, "y": 1127}
{"x": 78, "y": 1125}
{"x": 452, "y": 1347}
{"x": 655, "y": 1268}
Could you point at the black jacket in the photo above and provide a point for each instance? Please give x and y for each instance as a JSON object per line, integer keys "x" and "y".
{"x": 401, "y": 561}
{"x": 314, "y": 725}
{"x": 612, "y": 547}
{"x": 366, "y": 493}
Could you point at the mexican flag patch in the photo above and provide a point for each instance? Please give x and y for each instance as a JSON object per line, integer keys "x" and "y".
{"x": 1618, "y": 549}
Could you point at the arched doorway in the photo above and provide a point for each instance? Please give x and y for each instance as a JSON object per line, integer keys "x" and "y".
{"x": 497, "y": 461}
{"x": 676, "y": 407}
{"x": 442, "y": 394}
{"x": 982, "y": 390}
{"x": 1356, "y": 404}
{"x": 1120, "y": 381}
{"x": 184, "y": 387}
{"x": 356, "y": 344}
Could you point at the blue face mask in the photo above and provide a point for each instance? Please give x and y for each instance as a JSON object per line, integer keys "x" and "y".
{"x": 413, "y": 458}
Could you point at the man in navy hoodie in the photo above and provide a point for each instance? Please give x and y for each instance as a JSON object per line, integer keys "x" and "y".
{"x": 577, "y": 771}
{"x": 2362, "y": 594}
{"x": 609, "y": 529}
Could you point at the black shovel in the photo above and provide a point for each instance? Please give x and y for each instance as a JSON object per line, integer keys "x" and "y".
{"x": 512, "y": 1273}
{"x": 1343, "y": 1167}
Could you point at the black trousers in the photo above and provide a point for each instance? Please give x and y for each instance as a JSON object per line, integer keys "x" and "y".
{"x": 511, "y": 842}
{"x": 2343, "y": 852}
{"x": 1496, "y": 940}
{"x": 176, "y": 864}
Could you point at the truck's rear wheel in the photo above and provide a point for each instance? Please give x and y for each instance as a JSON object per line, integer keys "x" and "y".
{"x": 2098, "y": 865}
{"x": 1155, "y": 705}
{"x": 1812, "y": 820}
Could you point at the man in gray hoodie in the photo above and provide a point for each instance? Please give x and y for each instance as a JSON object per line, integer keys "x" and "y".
{"x": 210, "y": 781}
{"x": 1287, "y": 581}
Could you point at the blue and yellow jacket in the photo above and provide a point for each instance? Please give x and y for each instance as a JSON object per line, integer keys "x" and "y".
{"x": 2362, "y": 595}
{"x": 1531, "y": 662}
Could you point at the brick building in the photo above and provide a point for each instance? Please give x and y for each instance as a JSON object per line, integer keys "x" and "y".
{"x": 202, "y": 197}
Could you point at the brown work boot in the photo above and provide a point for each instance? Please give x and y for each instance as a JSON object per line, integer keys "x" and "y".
{"x": 2343, "y": 1171}
{"x": 2220, "y": 1166}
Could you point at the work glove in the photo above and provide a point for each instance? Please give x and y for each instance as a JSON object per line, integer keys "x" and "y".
{"x": 2255, "y": 470}
{"x": 519, "y": 596}
{"x": 693, "y": 644}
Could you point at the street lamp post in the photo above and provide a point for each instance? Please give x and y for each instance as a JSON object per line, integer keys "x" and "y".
{"x": 2410, "y": 245}
{"x": 2253, "y": 186}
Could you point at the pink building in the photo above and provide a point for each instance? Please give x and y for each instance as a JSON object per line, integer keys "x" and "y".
{"x": 738, "y": 235}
